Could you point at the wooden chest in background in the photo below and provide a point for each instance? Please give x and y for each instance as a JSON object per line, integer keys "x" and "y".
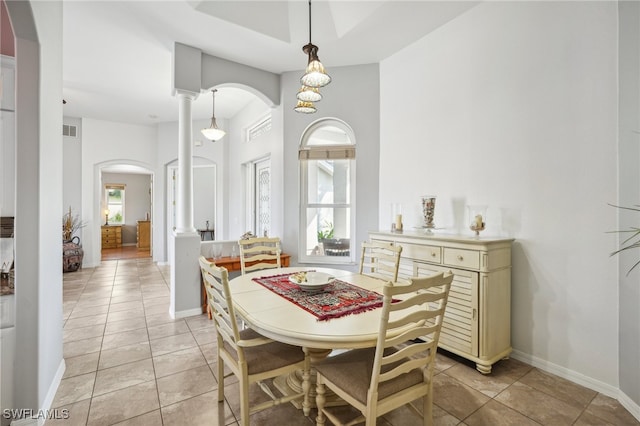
{"x": 111, "y": 236}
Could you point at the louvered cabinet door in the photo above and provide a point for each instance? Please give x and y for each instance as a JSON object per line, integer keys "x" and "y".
{"x": 460, "y": 326}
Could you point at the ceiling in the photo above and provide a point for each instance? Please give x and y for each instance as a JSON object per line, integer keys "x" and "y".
{"x": 117, "y": 55}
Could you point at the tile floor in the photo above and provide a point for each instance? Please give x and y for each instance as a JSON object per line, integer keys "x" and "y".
{"x": 129, "y": 363}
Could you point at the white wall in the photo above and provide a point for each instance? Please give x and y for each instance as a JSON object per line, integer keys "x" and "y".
{"x": 513, "y": 104}
{"x": 107, "y": 143}
{"x": 72, "y": 170}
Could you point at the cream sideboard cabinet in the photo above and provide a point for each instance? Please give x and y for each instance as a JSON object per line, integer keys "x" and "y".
{"x": 477, "y": 321}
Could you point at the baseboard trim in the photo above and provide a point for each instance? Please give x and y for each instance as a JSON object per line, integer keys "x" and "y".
{"x": 565, "y": 373}
{"x": 188, "y": 313}
{"x": 630, "y": 405}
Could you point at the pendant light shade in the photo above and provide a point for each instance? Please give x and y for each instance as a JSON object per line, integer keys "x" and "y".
{"x": 213, "y": 132}
{"x": 315, "y": 76}
{"x": 305, "y": 107}
{"x": 309, "y": 94}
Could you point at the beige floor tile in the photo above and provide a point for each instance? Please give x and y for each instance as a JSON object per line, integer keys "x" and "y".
{"x": 199, "y": 321}
{"x": 163, "y": 300}
{"x": 125, "y": 325}
{"x": 74, "y": 389}
{"x": 200, "y": 410}
{"x": 154, "y": 418}
{"x": 87, "y": 312}
{"x": 156, "y": 309}
{"x": 186, "y": 384}
{"x": 560, "y": 388}
{"x": 168, "y": 329}
{"x": 91, "y": 302}
{"x": 538, "y": 406}
{"x": 85, "y": 321}
{"x": 81, "y": 364}
{"x": 122, "y": 376}
{"x": 124, "y": 354}
{"x": 496, "y": 414}
{"x": 125, "y": 315}
{"x": 81, "y": 347}
{"x": 112, "y": 341}
{"x": 210, "y": 352}
{"x": 168, "y": 344}
{"x": 158, "y": 319}
{"x": 455, "y": 397}
{"x": 125, "y": 306}
{"x": 127, "y": 297}
{"x": 611, "y": 411}
{"x": 205, "y": 336}
{"x": 123, "y": 404}
{"x": 588, "y": 419}
{"x": 405, "y": 416}
{"x": 175, "y": 362}
{"x": 71, "y": 415}
{"x": 82, "y": 333}
{"x": 489, "y": 384}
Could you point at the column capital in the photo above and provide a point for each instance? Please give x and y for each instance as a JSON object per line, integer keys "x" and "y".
{"x": 185, "y": 94}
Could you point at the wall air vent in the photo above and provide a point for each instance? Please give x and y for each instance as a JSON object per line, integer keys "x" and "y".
{"x": 71, "y": 131}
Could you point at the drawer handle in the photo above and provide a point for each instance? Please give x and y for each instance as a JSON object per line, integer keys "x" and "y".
{"x": 460, "y": 258}
{"x": 433, "y": 254}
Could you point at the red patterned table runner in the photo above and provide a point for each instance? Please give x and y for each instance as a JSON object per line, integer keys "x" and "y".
{"x": 338, "y": 298}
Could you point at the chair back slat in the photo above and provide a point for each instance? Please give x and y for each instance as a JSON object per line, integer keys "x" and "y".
{"x": 380, "y": 260}
{"x": 216, "y": 280}
{"x": 259, "y": 253}
{"x": 419, "y": 314}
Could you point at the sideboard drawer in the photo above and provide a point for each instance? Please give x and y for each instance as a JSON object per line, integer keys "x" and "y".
{"x": 422, "y": 252}
{"x": 462, "y": 258}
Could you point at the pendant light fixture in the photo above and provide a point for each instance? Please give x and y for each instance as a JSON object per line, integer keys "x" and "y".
{"x": 212, "y": 132}
{"x": 314, "y": 77}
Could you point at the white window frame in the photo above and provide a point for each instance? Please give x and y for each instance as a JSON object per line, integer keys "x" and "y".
{"x": 259, "y": 128}
{"x": 121, "y": 187}
{"x": 329, "y": 151}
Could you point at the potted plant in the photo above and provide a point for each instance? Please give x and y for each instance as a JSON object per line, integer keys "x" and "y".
{"x": 70, "y": 225}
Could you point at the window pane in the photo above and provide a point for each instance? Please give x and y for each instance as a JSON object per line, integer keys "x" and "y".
{"x": 114, "y": 196}
{"x": 328, "y": 232}
{"x": 328, "y": 181}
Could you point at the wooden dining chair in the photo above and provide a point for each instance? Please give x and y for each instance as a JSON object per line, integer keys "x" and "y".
{"x": 259, "y": 253}
{"x": 399, "y": 369}
{"x": 251, "y": 357}
{"x": 380, "y": 260}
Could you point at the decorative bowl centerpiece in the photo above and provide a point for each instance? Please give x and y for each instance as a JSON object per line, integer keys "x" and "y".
{"x": 311, "y": 281}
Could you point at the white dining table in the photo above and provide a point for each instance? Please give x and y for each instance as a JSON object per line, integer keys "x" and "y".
{"x": 275, "y": 317}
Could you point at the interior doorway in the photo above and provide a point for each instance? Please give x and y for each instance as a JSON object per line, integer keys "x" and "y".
{"x": 126, "y": 206}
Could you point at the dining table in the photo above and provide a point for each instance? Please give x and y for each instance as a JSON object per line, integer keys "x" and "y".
{"x": 280, "y": 319}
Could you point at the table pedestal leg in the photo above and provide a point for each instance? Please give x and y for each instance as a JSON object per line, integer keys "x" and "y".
{"x": 292, "y": 383}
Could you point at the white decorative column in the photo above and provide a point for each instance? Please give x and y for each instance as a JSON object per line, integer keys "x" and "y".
{"x": 185, "y": 270}
{"x": 184, "y": 207}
